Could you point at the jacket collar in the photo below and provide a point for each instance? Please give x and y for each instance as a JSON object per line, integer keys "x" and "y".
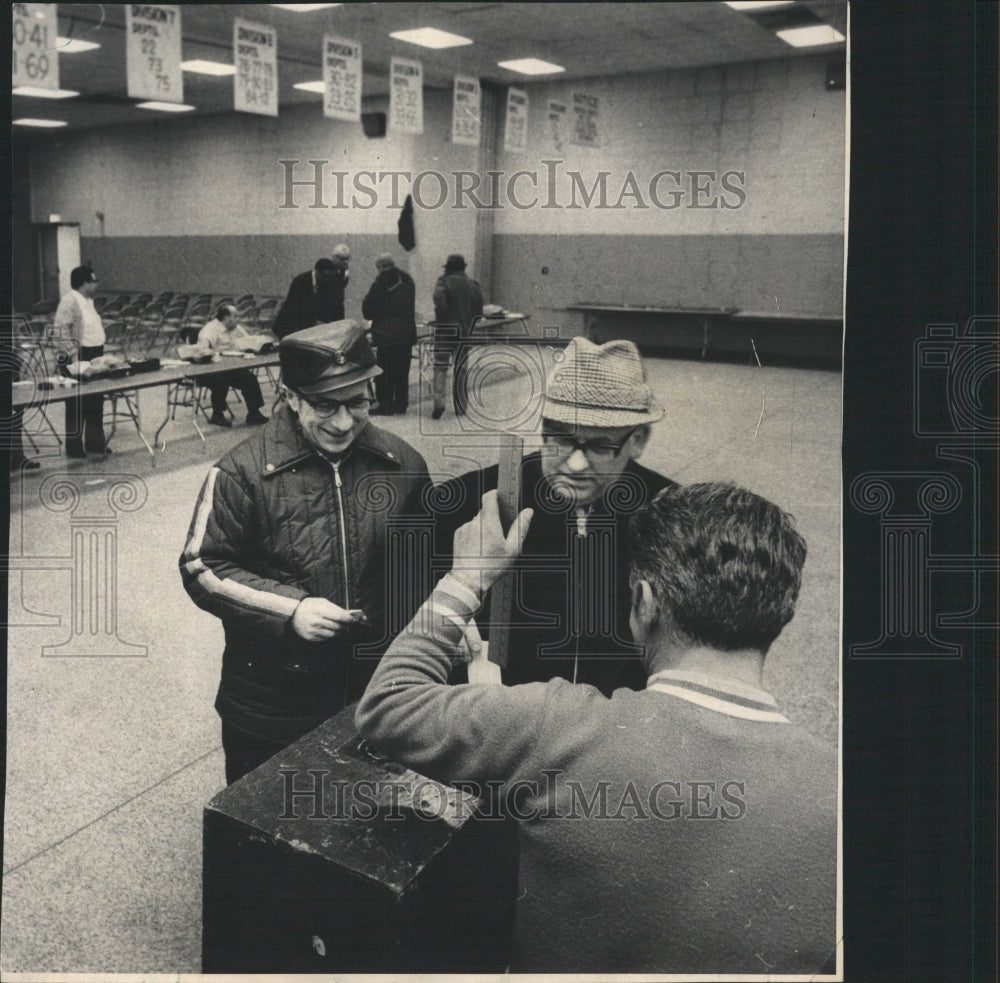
{"x": 623, "y": 486}
{"x": 285, "y": 445}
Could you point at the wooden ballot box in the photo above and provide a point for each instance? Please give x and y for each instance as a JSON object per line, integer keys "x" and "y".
{"x": 329, "y": 858}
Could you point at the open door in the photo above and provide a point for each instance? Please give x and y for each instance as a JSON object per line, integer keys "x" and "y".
{"x": 58, "y": 254}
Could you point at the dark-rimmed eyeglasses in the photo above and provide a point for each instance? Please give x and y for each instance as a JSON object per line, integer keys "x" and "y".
{"x": 598, "y": 451}
{"x": 357, "y": 406}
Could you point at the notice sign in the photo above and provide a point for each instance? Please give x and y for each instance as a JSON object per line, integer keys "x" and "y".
{"x": 255, "y": 55}
{"x": 341, "y": 78}
{"x": 466, "y": 112}
{"x": 586, "y": 119}
{"x": 515, "y": 131}
{"x": 34, "y": 55}
{"x": 406, "y": 96}
{"x": 153, "y": 52}
{"x": 556, "y": 122}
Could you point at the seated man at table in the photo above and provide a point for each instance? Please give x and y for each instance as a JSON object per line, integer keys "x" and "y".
{"x": 222, "y": 334}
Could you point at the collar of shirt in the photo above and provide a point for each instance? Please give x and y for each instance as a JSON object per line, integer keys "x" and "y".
{"x": 720, "y": 693}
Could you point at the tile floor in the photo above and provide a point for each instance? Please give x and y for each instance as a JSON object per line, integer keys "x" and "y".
{"x": 110, "y": 760}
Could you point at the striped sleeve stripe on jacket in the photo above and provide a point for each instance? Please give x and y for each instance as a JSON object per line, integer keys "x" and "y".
{"x": 226, "y": 588}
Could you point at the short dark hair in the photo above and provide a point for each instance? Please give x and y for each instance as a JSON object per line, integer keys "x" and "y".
{"x": 79, "y": 276}
{"x": 324, "y": 265}
{"x": 724, "y": 563}
{"x": 223, "y": 311}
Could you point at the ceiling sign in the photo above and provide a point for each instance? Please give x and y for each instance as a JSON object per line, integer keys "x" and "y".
{"x": 153, "y": 52}
{"x": 557, "y": 124}
{"x": 406, "y": 96}
{"x": 515, "y": 131}
{"x": 35, "y": 57}
{"x": 586, "y": 119}
{"x": 255, "y": 55}
{"x": 466, "y": 113}
{"x": 341, "y": 78}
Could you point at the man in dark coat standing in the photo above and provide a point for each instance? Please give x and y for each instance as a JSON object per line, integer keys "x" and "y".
{"x": 316, "y": 296}
{"x": 458, "y": 300}
{"x": 390, "y": 306}
{"x": 289, "y": 547}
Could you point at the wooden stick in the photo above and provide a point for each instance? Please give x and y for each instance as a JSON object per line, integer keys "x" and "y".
{"x": 502, "y": 592}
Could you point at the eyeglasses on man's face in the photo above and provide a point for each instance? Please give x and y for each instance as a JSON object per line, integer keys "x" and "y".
{"x": 356, "y": 406}
{"x": 563, "y": 443}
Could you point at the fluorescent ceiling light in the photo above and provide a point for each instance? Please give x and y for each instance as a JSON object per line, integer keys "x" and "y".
{"x": 165, "y": 107}
{"x": 49, "y": 124}
{"x": 37, "y": 93}
{"x": 202, "y": 67}
{"x": 431, "y": 37}
{"x": 304, "y": 8}
{"x": 531, "y": 66}
{"x": 310, "y": 86}
{"x": 806, "y": 37}
{"x": 756, "y": 4}
{"x": 73, "y": 46}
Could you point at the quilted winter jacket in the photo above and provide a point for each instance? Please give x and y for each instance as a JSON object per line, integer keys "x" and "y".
{"x": 273, "y": 525}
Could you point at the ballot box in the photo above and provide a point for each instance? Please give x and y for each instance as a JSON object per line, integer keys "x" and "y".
{"x": 329, "y": 858}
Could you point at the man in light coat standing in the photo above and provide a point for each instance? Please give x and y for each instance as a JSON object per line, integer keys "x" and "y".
{"x": 77, "y": 320}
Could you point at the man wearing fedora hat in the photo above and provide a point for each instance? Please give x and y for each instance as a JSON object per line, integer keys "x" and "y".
{"x": 572, "y": 615}
{"x": 289, "y": 542}
{"x": 458, "y": 300}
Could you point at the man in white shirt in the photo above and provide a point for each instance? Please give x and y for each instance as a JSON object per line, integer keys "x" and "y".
{"x": 77, "y": 319}
{"x": 221, "y": 335}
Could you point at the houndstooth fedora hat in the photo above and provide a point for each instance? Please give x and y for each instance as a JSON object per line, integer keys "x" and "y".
{"x": 600, "y": 386}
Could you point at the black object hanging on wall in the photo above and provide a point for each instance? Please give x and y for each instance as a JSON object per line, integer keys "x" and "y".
{"x": 407, "y": 232}
{"x": 373, "y": 124}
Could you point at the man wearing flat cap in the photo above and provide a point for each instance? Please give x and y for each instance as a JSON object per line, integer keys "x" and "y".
{"x": 571, "y": 616}
{"x": 289, "y": 542}
{"x": 458, "y": 300}
{"x": 316, "y": 296}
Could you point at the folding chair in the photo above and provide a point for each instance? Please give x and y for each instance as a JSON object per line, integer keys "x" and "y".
{"x": 32, "y": 359}
{"x": 266, "y": 314}
{"x": 173, "y": 318}
{"x": 197, "y": 317}
{"x": 148, "y": 325}
{"x": 120, "y": 332}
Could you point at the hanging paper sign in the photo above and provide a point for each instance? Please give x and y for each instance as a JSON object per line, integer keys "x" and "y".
{"x": 515, "y": 131}
{"x": 341, "y": 78}
{"x": 586, "y": 119}
{"x": 556, "y": 118}
{"x": 34, "y": 54}
{"x": 466, "y": 112}
{"x": 255, "y": 55}
{"x": 153, "y": 52}
{"x": 406, "y": 95}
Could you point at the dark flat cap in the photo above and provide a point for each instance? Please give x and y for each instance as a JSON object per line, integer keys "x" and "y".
{"x": 454, "y": 262}
{"x": 326, "y": 358}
